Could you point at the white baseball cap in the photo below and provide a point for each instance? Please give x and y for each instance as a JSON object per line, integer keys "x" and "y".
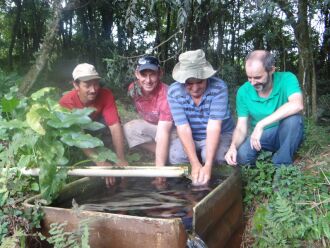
{"x": 85, "y": 72}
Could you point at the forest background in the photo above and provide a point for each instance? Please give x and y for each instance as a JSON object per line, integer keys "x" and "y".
{"x": 112, "y": 34}
{"x": 42, "y": 41}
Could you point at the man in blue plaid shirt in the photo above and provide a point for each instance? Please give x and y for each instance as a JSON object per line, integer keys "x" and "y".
{"x": 200, "y": 109}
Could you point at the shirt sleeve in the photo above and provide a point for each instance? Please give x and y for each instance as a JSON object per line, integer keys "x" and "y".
{"x": 110, "y": 112}
{"x": 292, "y": 84}
{"x": 176, "y": 107}
{"x": 241, "y": 107}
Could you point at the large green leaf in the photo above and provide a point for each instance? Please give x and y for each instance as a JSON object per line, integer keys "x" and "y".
{"x": 24, "y": 161}
{"x": 33, "y": 118}
{"x": 51, "y": 180}
{"x": 67, "y": 119}
{"x": 93, "y": 126}
{"x": 104, "y": 154}
{"x": 8, "y": 105}
{"x": 27, "y": 138}
{"x": 13, "y": 124}
{"x": 3, "y": 197}
{"x": 51, "y": 151}
{"x": 41, "y": 93}
{"x": 81, "y": 140}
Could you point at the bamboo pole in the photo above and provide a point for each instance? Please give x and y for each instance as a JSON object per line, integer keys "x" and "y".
{"x": 128, "y": 171}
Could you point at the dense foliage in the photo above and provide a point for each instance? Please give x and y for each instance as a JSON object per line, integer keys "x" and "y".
{"x": 112, "y": 34}
{"x": 291, "y": 204}
{"x": 35, "y": 132}
{"x": 297, "y": 209}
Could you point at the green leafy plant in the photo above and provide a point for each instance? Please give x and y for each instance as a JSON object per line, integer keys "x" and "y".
{"x": 60, "y": 238}
{"x": 120, "y": 70}
{"x": 35, "y": 132}
{"x": 16, "y": 240}
{"x": 295, "y": 207}
{"x": 38, "y": 133}
{"x": 258, "y": 182}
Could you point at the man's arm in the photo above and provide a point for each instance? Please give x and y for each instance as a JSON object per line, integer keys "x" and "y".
{"x": 185, "y": 135}
{"x": 213, "y": 131}
{"x": 117, "y": 135}
{"x": 239, "y": 136}
{"x": 293, "y": 106}
{"x": 162, "y": 142}
{"x": 162, "y": 147}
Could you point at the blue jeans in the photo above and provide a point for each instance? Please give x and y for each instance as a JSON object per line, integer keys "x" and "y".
{"x": 283, "y": 140}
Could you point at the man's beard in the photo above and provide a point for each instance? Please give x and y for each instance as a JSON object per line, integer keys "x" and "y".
{"x": 262, "y": 86}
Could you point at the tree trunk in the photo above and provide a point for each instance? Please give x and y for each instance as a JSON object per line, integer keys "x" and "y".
{"x": 158, "y": 29}
{"x": 32, "y": 75}
{"x": 324, "y": 54}
{"x": 203, "y": 26}
{"x": 167, "y": 35}
{"x": 92, "y": 54}
{"x": 220, "y": 34}
{"x": 306, "y": 60}
{"x": 189, "y": 27}
{"x": 14, "y": 33}
{"x": 306, "y": 72}
{"x": 107, "y": 12}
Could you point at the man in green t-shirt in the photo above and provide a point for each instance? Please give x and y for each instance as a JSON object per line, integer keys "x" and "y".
{"x": 270, "y": 104}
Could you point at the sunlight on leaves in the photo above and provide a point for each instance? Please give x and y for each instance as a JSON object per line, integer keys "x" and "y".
{"x": 33, "y": 119}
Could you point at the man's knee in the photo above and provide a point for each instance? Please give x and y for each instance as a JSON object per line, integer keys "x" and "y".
{"x": 130, "y": 127}
{"x": 138, "y": 132}
{"x": 136, "y": 128}
{"x": 292, "y": 128}
{"x": 293, "y": 121}
{"x": 243, "y": 159}
{"x": 246, "y": 155}
{"x": 176, "y": 154}
{"x": 176, "y": 157}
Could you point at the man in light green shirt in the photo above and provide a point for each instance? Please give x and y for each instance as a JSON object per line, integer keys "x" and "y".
{"x": 269, "y": 104}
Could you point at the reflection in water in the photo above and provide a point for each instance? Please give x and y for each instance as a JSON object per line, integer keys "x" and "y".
{"x": 138, "y": 197}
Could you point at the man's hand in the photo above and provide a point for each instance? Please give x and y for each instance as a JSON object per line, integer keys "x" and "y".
{"x": 204, "y": 175}
{"x": 231, "y": 156}
{"x": 109, "y": 181}
{"x": 200, "y": 175}
{"x": 256, "y": 136}
{"x": 122, "y": 163}
{"x": 195, "y": 168}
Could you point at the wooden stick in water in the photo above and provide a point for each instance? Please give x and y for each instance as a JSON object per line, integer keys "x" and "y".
{"x": 128, "y": 171}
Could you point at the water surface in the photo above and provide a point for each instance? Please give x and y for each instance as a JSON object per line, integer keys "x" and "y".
{"x": 139, "y": 197}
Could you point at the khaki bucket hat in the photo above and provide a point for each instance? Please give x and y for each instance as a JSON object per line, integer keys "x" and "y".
{"x": 192, "y": 64}
{"x": 85, "y": 72}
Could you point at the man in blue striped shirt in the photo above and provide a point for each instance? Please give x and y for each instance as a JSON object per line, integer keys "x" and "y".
{"x": 200, "y": 109}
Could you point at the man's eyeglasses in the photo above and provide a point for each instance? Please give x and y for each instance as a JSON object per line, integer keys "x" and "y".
{"x": 148, "y": 60}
